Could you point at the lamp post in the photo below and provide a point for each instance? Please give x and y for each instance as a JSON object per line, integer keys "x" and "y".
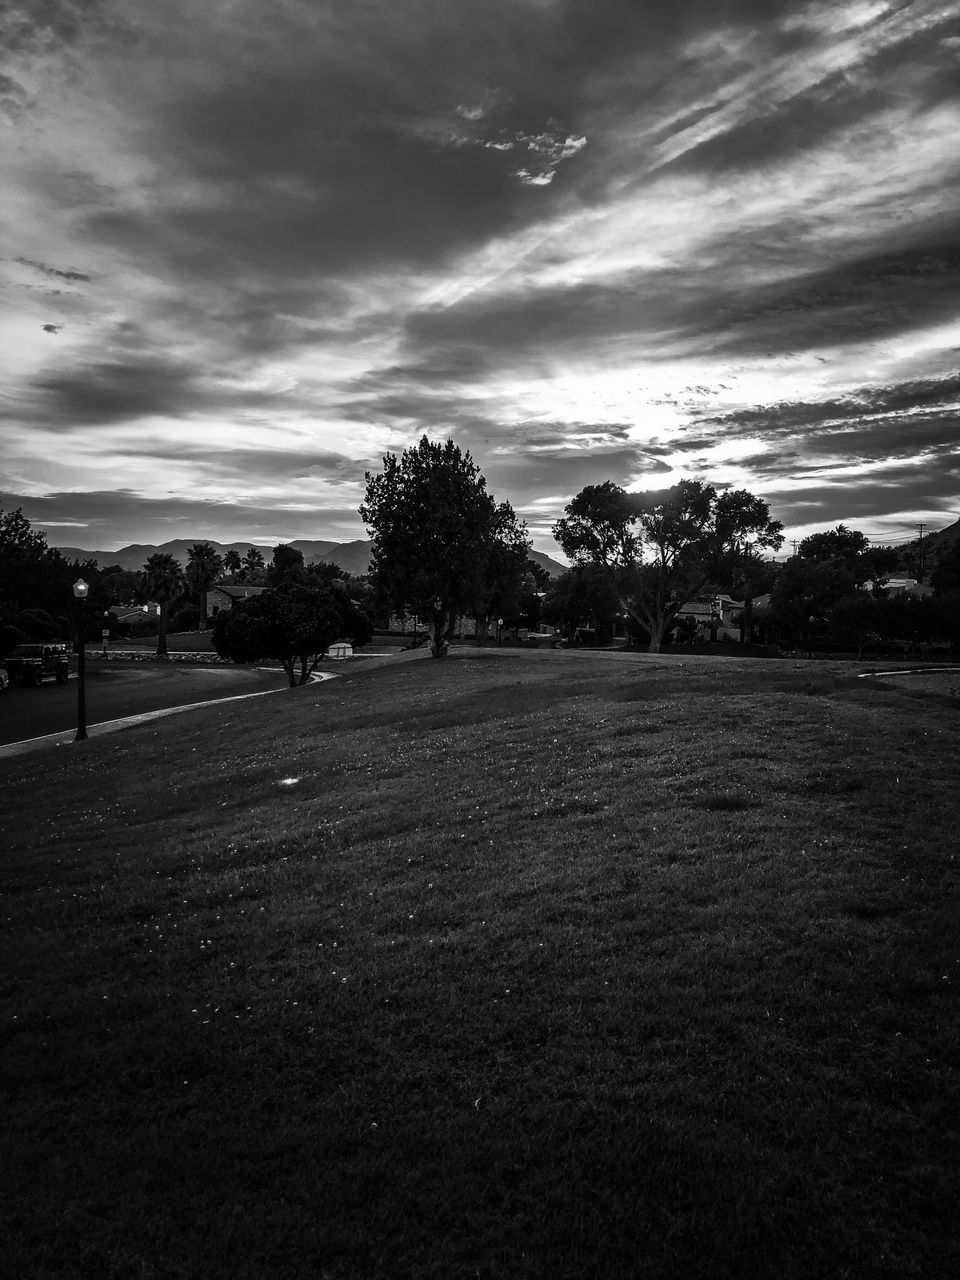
{"x": 80, "y": 589}
{"x": 499, "y": 632}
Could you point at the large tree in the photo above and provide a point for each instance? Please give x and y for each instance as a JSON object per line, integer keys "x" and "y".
{"x": 744, "y": 531}
{"x": 851, "y": 548}
{"x": 286, "y": 566}
{"x": 805, "y": 593}
{"x": 436, "y": 533}
{"x": 292, "y": 624}
{"x": 32, "y": 575}
{"x": 661, "y": 548}
{"x": 505, "y": 575}
{"x": 204, "y": 567}
{"x": 583, "y": 595}
{"x": 162, "y": 580}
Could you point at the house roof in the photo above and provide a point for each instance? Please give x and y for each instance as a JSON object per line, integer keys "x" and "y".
{"x": 237, "y": 593}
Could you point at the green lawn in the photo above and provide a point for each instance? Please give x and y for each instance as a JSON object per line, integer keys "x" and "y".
{"x": 514, "y": 965}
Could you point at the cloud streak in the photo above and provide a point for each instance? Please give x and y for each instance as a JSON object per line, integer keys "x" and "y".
{"x": 254, "y": 247}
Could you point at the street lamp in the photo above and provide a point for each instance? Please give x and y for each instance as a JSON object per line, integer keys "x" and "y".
{"x": 499, "y": 632}
{"x": 80, "y": 589}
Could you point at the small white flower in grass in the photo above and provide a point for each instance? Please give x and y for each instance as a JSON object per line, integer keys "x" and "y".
{"x": 289, "y": 782}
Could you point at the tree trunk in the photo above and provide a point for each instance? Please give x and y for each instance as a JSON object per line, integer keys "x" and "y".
{"x": 162, "y": 631}
{"x": 656, "y": 636}
{"x": 483, "y": 630}
{"x": 203, "y": 609}
{"x": 438, "y": 645}
{"x": 746, "y": 618}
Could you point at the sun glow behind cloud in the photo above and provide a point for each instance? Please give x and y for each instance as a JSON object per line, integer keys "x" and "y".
{"x": 247, "y": 263}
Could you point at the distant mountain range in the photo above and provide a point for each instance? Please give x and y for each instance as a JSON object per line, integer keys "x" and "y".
{"x": 353, "y": 557}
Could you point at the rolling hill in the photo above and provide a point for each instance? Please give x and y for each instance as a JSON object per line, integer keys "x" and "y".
{"x": 353, "y": 557}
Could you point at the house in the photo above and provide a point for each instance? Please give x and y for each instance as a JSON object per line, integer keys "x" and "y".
{"x": 718, "y": 611}
{"x": 900, "y": 587}
{"x": 222, "y": 598}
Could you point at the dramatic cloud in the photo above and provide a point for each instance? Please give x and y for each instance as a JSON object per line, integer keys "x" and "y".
{"x": 252, "y": 247}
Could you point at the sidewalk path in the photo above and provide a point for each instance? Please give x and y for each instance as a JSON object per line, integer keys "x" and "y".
{"x": 66, "y": 736}
{"x": 111, "y": 726}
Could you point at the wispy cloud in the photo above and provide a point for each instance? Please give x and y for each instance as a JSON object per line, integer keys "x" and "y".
{"x": 256, "y": 246}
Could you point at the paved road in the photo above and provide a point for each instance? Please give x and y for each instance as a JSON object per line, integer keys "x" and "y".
{"x": 115, "y": 690}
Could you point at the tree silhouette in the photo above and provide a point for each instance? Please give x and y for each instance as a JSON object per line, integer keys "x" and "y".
{"x": 661, "y": 548}
{"x": 293, "y": 624}
{"x": 204, "y": 566}
{"x": 232, "y": 562}
{"x": 435, "y": 532}
{"x": 252, "y": 562}
{"x": 162, "y": 580}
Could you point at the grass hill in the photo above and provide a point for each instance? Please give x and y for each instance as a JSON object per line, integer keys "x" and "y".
{"x": 566, "y": 965}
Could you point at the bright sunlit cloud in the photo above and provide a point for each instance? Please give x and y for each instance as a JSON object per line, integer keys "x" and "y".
{"x": 251, "y": 248}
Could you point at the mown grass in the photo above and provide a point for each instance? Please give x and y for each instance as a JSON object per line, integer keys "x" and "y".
{"x": 540, "y": 965}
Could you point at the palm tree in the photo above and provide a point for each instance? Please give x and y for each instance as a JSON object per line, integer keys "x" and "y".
{"x": 203, "y": 569}
{"x": 232, "y": 562}
{"x": 253, "y": 561}
{"x": 162, "y": 580}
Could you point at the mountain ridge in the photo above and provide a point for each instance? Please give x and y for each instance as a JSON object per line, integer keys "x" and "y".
{"x": 353, "y": 557}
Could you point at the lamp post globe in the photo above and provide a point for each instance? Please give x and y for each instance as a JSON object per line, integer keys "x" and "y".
{"x": 80, "y": 591}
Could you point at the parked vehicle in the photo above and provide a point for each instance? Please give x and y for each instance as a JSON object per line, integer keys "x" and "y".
{"x": 4, "y": 679}
{"x": 30, "y": 664}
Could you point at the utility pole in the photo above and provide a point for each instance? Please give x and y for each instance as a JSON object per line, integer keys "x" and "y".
{"x": 921, "y": 554}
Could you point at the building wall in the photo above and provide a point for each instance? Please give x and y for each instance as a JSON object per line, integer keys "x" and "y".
{"x": 220, "y": 599}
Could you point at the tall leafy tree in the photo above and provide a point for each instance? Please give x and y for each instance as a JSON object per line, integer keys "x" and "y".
{"x": 839, "y": 543}
{"x": 162, "y": 580}
{"x": 807, "y": 590}
{"x": 744, "y": 531}
{"x": 32, "y": 574}
{"x": 661, "y": 548}
{"x": 436, "y": 531}
{"x": 852, "y": 549}
{"x": 286, "y": 566}
{"x": 116, "y": 586}
{"x": 505, "y": 573}
{"x": 584, "y": 594}
{"x": 204, "y": 567}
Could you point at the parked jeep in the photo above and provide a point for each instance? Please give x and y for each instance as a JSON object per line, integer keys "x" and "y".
{"x": 28, "y": 664}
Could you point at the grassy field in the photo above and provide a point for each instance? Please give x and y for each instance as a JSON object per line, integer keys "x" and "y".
{"x": 515, "y": 965}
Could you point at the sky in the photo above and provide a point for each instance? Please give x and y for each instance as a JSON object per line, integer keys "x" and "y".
{"x": 249, "y": 246}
